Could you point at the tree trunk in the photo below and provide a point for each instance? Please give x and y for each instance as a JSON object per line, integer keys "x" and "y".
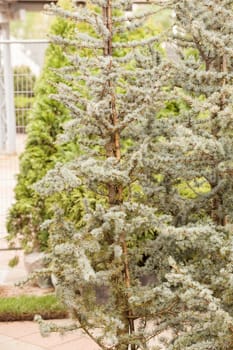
{"x": 115, "y": 191}
{"x": 217, "y": 214}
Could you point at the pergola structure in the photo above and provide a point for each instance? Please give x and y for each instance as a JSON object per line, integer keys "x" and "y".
{"x": 9, "y": 10}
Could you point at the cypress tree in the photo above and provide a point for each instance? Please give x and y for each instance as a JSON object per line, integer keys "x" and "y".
{"x": 30, "y": 210}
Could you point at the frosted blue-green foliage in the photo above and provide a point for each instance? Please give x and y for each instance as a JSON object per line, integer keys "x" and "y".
{"x": 193, "y": 152}
{"x": 198, "y": 143}
{"x": 150, "y": 260}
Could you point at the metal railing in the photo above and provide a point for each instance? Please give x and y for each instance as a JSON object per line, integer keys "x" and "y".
{"x": 24, "y": 82}
{"x": 26, "y": 63}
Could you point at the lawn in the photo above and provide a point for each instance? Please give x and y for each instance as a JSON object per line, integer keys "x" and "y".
{"x": 25, "y": 307}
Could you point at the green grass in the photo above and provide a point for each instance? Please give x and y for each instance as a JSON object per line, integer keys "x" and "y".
{"x": 24, "y": 308}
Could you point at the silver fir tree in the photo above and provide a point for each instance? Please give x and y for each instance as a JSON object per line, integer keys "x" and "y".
{"x": 148, "y": 259}
{"x": 201, "y": 137}
{"x": 189, "y": 175}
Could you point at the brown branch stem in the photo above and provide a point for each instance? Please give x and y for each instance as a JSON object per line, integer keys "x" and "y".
{"x": 113, "y": 149}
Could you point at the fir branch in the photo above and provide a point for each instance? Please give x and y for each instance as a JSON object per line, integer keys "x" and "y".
{"x": 135, "y": 43}
{"x": 77, "y": 43}
{"x": 136, "y": 16}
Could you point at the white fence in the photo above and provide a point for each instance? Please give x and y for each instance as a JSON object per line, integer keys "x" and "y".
{"x": 26, "y": 60}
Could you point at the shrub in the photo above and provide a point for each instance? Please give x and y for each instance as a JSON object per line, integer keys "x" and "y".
{"x": 41, "y": 151}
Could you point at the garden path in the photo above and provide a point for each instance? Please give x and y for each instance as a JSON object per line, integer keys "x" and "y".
{"x": 26, "y": 336}
{"x": 9, "y": 165}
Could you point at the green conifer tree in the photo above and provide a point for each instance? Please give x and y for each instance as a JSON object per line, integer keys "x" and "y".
{"x": 161, "y": 259}
{"x": 41, "y": 152}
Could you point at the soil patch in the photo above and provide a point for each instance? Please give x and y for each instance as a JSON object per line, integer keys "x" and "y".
{"x": 49, "y": 315}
